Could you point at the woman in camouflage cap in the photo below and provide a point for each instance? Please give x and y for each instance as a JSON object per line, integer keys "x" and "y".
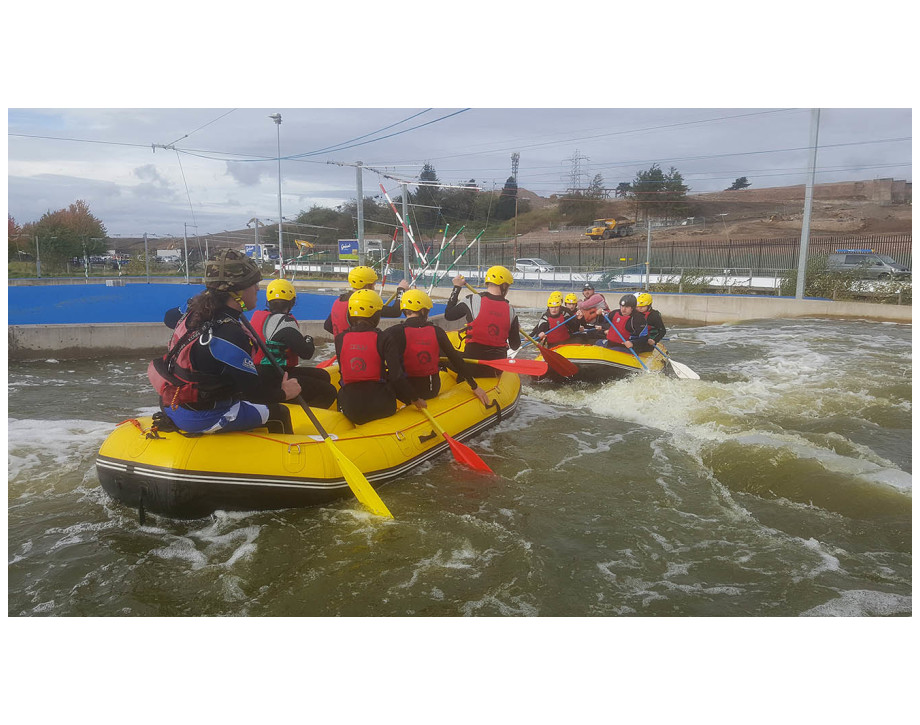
{"x": 207, "y": 380}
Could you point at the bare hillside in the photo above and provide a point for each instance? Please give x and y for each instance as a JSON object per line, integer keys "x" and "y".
{"x": 871, "y": 207}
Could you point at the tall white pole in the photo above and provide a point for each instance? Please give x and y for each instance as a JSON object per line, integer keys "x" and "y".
{"x": 185, "y": 238}
{"x": 38, "y": 260}
{"x": 648, "y": 256}
{"x": 146, "y": 258}
{"x": 405, "y": 207}
{"x": 806, "y": 216}
{"x": 359, "y": 184}
{"x": 276, "y": 117}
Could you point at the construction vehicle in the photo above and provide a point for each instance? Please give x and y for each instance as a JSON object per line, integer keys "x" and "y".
{"x": 610, "y": 228}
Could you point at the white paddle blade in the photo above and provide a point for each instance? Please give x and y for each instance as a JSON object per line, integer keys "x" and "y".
{"x": 682, "y": 371}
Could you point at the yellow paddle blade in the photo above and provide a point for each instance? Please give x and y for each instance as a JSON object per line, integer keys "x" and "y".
{"x": 358, "y": 483}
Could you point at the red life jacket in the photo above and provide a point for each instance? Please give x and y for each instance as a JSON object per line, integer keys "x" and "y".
{"x": 492, "y": 324}
{"x": 359, "y": 359}
{"x": 422, "y": 351}
{"x": 619, "y": 322}
{"x": 278, "y": 349}
{"x": 339, "y": 315}
{"x": 174, "y": 378}
{"x": 557, "y": 329}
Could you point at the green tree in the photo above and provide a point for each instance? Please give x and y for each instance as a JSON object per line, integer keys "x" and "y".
{"x": 740, "y": 183}
{"x": 596, "y": 188}
{"x": 505, "y": 206}
{"x": 427, "y": 195}
{"x": 623, "y": 190}
{"x": 659, "y": 194}
{"x": 674, "y": 195}
{"x": 646, "y": 191}
{"x": 66, "y": 233}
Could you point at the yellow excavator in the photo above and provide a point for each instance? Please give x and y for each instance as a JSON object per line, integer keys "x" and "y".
{"x": 610, "y": 228}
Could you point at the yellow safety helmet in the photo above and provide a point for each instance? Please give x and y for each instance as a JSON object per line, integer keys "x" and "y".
{"x": 643, "y": 299}
{"x": 364, "y": 303}
{"x": 554, "y": 300}
{"x": 280, "y": 289}
{"x": 571, "y": 298}
{"x": 361, "y": 277}
{"x": 415, "y": 300}
{"x": 499, "y": 275}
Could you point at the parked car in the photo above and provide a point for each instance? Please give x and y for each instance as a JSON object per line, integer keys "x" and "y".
{"x": 866, "y": 264}
{"x": 533, "y": 264}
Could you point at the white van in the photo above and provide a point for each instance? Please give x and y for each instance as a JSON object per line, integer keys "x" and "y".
{"x": 866, "y": 264}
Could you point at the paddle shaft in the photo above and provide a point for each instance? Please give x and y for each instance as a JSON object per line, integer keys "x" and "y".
{"x": 356, "y": 480}
{"x": 624, "y": 342}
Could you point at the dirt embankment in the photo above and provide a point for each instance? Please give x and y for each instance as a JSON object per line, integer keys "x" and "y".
{"x": 863, "y": 208}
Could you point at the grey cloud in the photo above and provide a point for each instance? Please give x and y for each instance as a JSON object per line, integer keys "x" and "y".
{"x": 245, "y": 174}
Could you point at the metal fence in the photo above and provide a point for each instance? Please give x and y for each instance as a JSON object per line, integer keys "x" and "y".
{"x": 759, "y": 256}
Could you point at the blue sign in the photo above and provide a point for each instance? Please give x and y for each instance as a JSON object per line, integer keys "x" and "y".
{"x": 348, "y": 249}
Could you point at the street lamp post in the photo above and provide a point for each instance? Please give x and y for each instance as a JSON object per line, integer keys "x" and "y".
{"x": 276, "y": 117}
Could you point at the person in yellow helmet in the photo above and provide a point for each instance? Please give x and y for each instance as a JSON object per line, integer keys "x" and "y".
{"x": 359, "y": 278}
{"x": 492, "y": 322}
{"x": 421, "y": 344}
{"x": 281, "y": 334}
{"x": 369, "y": 363}
{"x": 557, "y": 324}
{"x": 648, "y": 321}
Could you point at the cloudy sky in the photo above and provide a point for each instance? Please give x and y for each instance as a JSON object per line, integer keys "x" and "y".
{"x": 221, "y": 168}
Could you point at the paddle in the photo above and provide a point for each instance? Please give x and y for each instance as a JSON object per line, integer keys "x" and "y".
{"x": 680, "y": 370}
{"x": 624, "y": 342}
{"x": 513, "y": 353}
{"x": 521, "y": 367}
{"x": 462, "y": 453}
{"x": 356, "y": 480}
{"x": 565, "y": 368}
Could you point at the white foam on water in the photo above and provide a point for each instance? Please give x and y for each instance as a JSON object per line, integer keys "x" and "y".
{"x": 47, "y": 448}
{"x": 861, "y": 603}
{"x": 499, "y": 599}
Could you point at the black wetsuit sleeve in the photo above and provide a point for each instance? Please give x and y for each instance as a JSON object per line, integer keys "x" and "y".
{"x": 660, "y": 330}
{"x": 293, "y": 339}
{"x": 327, "y": 325}
{"x": 392, "y": 310}
{"x": 392, "y": 356}
{"x": 172, "y": 317}
{"x": 454, "y": 357}
{"x": 514, "y": 334}
{"x": 455, "y": 309}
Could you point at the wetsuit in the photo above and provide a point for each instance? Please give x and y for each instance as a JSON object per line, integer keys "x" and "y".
{"x": 227, "y": 392}
{"x": 420, "y": 343}
{"x": 371, "y": 372}
{"x": 648, "y": 325}
{"x": 492, "y": 327}
{"x": 557, "y": 329}
{"x": 338, "y": 318}
{"x": 282, "y": 337}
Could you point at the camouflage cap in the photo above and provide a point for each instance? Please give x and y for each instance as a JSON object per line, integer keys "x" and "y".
{"x": 231, "y": 270}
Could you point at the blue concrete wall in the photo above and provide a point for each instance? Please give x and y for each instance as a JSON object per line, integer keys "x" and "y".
{"x": 95, "y": 303}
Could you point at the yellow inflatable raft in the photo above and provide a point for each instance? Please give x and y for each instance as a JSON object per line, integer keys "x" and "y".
{"x": 192, "y": 475}
{"x": 599, "y": 364}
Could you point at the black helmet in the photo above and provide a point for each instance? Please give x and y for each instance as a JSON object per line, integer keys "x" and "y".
{"x": 230, "y": 270}
{"x": 588, "y": 285}
{"x": 628, "y": 300}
